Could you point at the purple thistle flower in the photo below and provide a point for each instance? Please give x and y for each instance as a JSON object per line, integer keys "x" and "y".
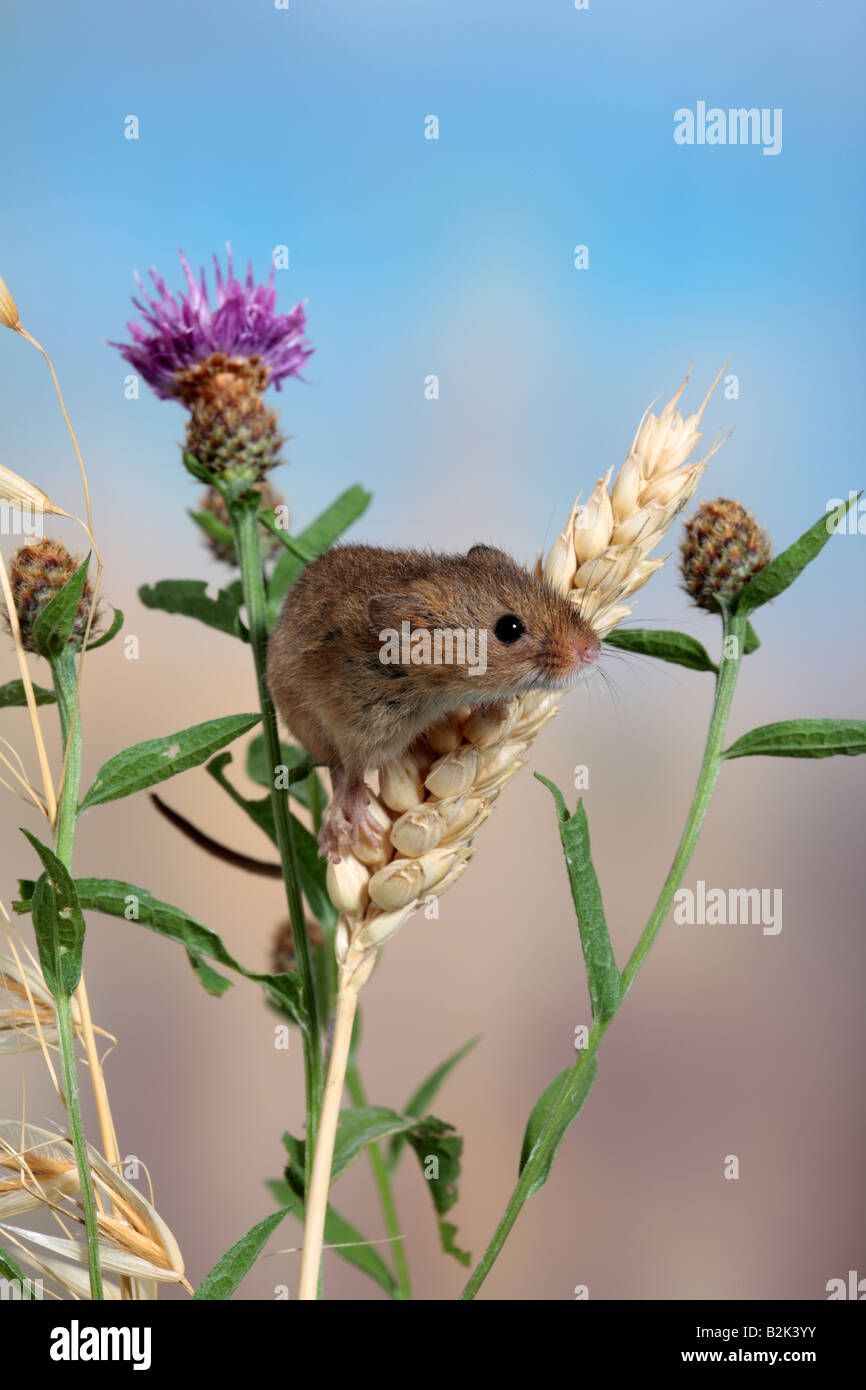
{"x": 243, "y": 324}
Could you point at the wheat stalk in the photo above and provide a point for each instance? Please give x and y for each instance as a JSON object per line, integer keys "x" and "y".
{"x": 432, "y": 801}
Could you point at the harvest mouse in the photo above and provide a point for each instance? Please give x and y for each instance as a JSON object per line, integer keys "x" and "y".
{"x": 354, "y": 692}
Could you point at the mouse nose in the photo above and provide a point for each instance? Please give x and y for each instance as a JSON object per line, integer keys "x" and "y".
{"x": 586, "y": 649}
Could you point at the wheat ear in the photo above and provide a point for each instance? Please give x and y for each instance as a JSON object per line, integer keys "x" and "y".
{"x": 432, "y": 801}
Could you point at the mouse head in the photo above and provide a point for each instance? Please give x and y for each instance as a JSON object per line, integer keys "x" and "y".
{"x": 480, "y": 622}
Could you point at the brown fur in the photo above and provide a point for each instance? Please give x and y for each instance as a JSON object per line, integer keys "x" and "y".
{"x": 351, "y": 711}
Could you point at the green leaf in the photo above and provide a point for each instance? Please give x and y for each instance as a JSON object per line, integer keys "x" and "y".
{"x": 260, "y": 810}
{"x": 118, "y": 899}
{"x": 12, "y": 693}
{"x": 190, "y": 597}
{"x": 802, "y": 738}
{"x": 344, "y": 1239}
{"x": 364, "y": 1125}
{"x": 666, "y": 645}
{"x": 213, "y": 527}
{"x": 10, "y": 1269}
{"x": 157, "y": 759}
{"x": 775, "y": 577}
{"x": 53, "y": 628}
{"x": 198, "y": 470}
{"x": 213, "y": 981}
{"x": 603, "y": 977}
{"x": 423, "y": 1098}
{"x": 572, "y": 1087}
{"x": 258, "y": 770}
{"x": 318, "y": 536}
{"x": 228, "y": 1271}
{"x": 752, "y": 642}
{"x": 58, "y": 923}
{"x": 432, "y": 1139}
{"x": 110, "y": 634}
{"x": 268, "y": 518}
{"x": 312, "y": 871}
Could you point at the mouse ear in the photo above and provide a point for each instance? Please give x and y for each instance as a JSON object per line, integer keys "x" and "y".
{"x": 490, "y": 551}
{"x": 392, "y": 610}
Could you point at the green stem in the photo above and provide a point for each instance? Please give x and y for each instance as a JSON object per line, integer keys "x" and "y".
{"x": 245, "y": 529}
{"x": 386, "y": 1194}
{"x": 64, "y": 671}
{"x": 542, "y": 1157}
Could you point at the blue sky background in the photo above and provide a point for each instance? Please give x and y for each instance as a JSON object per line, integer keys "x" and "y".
{"x": 306, "y": 127}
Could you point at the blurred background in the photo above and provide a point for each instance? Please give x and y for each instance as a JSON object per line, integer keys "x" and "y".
{"x": 305, "y": 127}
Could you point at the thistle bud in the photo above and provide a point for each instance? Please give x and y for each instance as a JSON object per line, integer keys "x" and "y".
{"x": 283, "y": 946}
{"x": 230, "y": 431}
{"x": 36, "y": 573}
{"x": 723, "y": 547}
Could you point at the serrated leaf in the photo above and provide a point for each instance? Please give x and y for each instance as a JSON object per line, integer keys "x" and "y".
{"x": 781, "y": 572}
{"x": 433, "y": 1139}
{"x": 343, "y": 1238}
{"x": 53, "y": 627}
{"x": 145, "y": 764}
{"x": 665, "y": 644}
{"x": 752, "y": 640}
{"x": 423, "y": 1097}
{"x": 125, "y": 900}
{"x": 603, "y": 977}
{"x": 12, "y": 693}
{"x": 316, "y": 538}
{"x": 802, "y": 738}
{"x": 190, "y": 598}
{"x": 231, "y": 1268}
{"x": 58, "y": 923}
{"x": 572, "y": 1088}
{"x": 215, "y": 983}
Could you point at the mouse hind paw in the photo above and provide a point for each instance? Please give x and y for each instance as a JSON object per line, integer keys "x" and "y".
{"x": 348, "y": 822}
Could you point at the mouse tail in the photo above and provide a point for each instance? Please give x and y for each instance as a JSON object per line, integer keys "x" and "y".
{"x": 198, "y": 837}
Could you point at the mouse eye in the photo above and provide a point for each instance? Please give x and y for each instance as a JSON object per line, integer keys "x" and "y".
{"x": 508, "y": 628}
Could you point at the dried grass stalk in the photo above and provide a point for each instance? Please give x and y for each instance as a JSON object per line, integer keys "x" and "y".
{"x": 38, "y": 1171}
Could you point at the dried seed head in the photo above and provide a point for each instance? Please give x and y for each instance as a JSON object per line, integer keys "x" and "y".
{"x": 36, "y": 573}
{"x": 9, "y": 316}
{"x": 722, "y": 548}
